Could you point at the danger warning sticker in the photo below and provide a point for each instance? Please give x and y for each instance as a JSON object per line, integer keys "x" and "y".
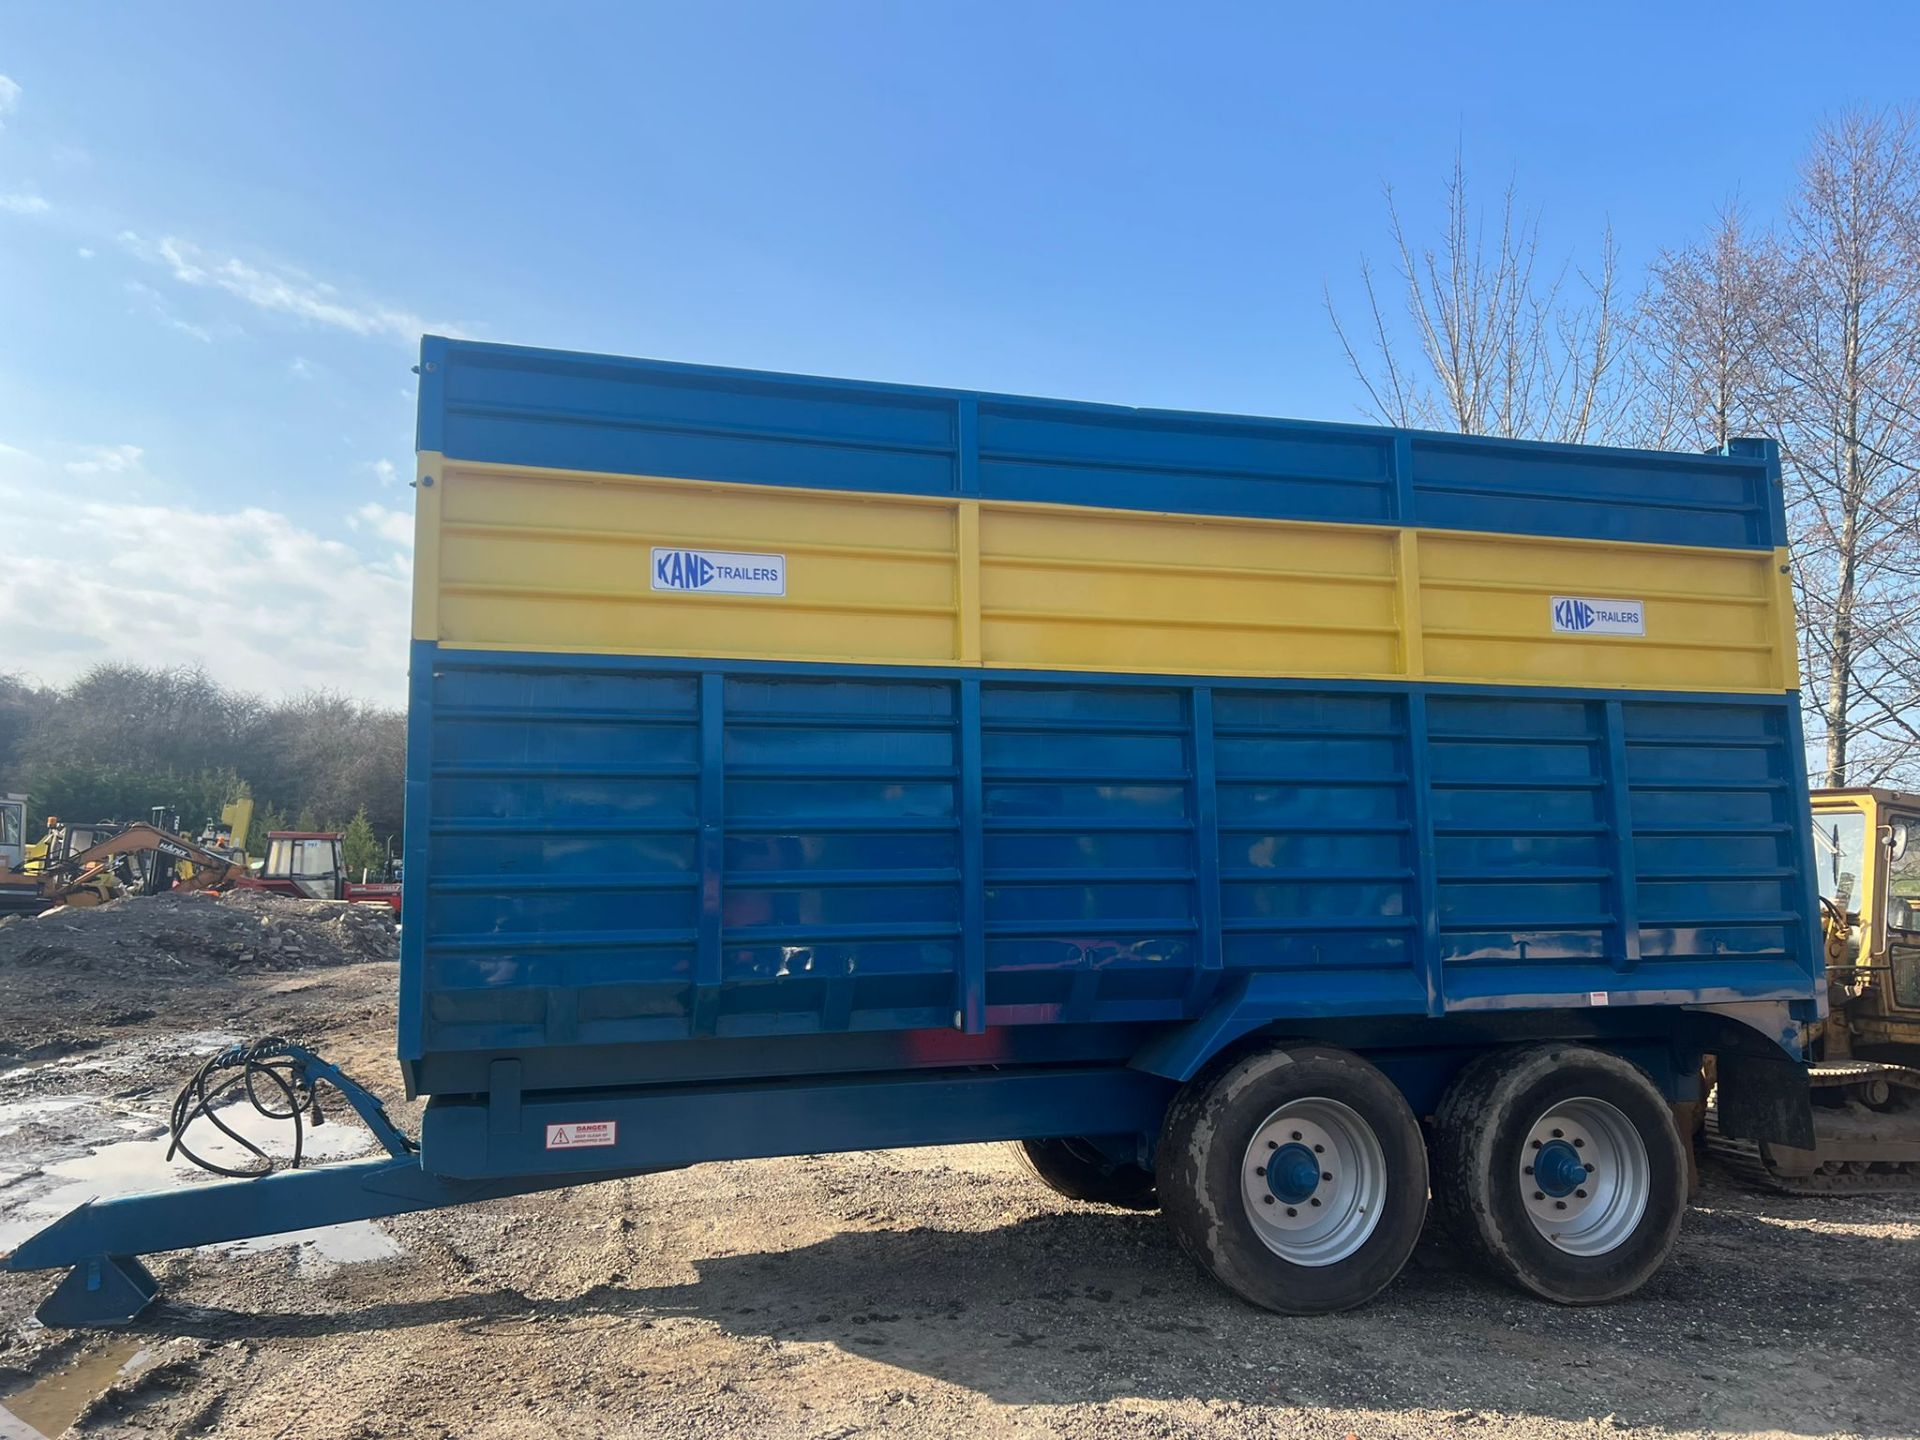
{"x": 584, "y": 1135}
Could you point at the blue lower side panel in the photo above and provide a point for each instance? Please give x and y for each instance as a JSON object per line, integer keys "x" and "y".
{"x": 606, "y": 854}
{"x": 580, "y": 1132}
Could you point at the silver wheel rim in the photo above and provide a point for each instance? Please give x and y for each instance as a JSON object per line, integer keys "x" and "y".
{"x": 1314, "y": 1180}
{"x": 1584, "y": 1176}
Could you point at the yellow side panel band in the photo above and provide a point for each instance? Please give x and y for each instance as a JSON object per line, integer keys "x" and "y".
{"x": 1710, "y": 625}
{"x": 511, "y": 558}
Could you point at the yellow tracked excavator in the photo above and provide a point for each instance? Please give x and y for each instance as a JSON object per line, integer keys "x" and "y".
{"x": 1866, "y": 1071}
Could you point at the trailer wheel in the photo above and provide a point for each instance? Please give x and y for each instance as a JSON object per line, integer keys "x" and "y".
{"x": 1298, "y": 1177}
{"x": 1559, "y": 1165}
{"x": 1081, "y": 1170}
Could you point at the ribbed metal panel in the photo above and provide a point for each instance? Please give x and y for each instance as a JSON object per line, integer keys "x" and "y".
{"x": 621, "y": 851}
{"x": 509, "y": 405}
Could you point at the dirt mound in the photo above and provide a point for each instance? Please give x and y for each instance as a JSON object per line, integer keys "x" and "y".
{"x": 186, "y": 931}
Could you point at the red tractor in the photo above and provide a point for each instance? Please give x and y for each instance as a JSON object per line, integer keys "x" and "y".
{"x": 307, "y": 863}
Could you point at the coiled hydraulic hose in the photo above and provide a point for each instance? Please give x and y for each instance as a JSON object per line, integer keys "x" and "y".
{"x": 267, "y": 1066}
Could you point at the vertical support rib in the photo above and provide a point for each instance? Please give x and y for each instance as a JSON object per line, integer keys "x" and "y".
{"x": 1626, "y": 899}
{"x": 1413, "y": 647}
{"x": 966, "y": 479}
{"x": 967, "y": 581}
{"x": 1426, "y": 886}
{"x": 1402, "y": 461}
{"x": 416, "y": 828}
{"x": 970, "y": 1012}
{"x": 966, "y": 445}
{"x": 713, "y": 759}
{"x": 1798, "y": 803}
{"x": 1206, "y": 845}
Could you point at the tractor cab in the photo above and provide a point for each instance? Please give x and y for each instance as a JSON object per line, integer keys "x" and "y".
{"x": 304, "y": 863}
{"x": 308, "y": 863}
{"x": 1867, "y": 855}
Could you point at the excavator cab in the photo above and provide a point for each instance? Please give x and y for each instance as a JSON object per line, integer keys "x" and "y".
{"x": 17, "y": 890}
{"x": 13, "y": 832}
{"x": 1865, "y": 1077}
{"x": 1867, "y": 852}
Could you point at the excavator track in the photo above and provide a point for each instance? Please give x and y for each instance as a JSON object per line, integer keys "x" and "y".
{"x": 1747, "y": 1162}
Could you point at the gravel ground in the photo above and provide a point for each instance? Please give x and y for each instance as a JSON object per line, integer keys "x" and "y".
{"x": 68, "y": 977}
{"x": 935, "y": 1293}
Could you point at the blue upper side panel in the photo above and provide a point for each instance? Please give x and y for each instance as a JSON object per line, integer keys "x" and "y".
{"x": 510, "y": 405}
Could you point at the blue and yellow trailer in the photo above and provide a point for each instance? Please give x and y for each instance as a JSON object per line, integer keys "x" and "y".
{"x": 1280, "y": 823}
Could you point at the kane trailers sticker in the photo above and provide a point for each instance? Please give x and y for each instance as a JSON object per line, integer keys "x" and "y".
{"x": 1583, "y": 615}
{"x": 719, "y": 572}
{"x": 583, "y": 1135}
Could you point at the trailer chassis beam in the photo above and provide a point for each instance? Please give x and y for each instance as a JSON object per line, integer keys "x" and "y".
{"x": 505, "y": 1144}
{"x": 98, "y": 1241}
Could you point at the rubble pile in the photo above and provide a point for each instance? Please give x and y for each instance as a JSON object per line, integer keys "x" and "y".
{"x": 179, "y": 931}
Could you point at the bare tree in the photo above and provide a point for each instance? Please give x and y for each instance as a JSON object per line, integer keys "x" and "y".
{"x": 1846, "y": 345}
{"x": 1488, "y": 343}
{"x": 1705, "y": 327}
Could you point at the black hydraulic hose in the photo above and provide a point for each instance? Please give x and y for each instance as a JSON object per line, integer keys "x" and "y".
{"x": 245, "y": 1071}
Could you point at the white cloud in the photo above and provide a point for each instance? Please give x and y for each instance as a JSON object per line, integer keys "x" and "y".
{"x": 163, "y": 312}
{"x": 106, "y": 460}
{"x": 9, "y": 99}
{"x": 392, "y": 525}
{"x": 84, "y": 253}
{"x": 22, "y": 202}
{"x": 301, "y": 368}
{"x": 280, "y": 290}
{"x": 385, "y": 471}
{"x": 263, "y": 603}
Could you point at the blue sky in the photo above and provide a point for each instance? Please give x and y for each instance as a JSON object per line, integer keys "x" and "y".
{"x": 221, "y": 229}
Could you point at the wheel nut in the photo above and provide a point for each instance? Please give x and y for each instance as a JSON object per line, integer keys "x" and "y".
{"x": 1297, "y": 1135}
{"x": 1266, "y": 1199}
{"x": 1559, "y": 1204}
{"x": 1273, "y": 1144}
{"x": 1528, "y": 1170}
{"x": 1579, "y": 1144}
{"x": 1559, "y": 1134}
{"x": 1536, "y": 1144}
{"x": 1539, "y": 1194}
{"x": 1259, "y": 1169}
{"x": 1292, "y": 1211}
{"x": 1589, "y": 1169}
{"x": 1325, "y": 1175}
{"x": 1319, "y": 1149}
{"x": 1313, "y": 1202}
{"x": 1579, "y": 1194}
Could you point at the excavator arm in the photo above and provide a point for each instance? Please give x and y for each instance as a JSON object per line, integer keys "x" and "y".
{"x": 78, "y": 875}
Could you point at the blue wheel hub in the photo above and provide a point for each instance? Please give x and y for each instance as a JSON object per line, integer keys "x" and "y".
{"x": 1293, "y": 1174}
{"x": 1558, "y": 1168}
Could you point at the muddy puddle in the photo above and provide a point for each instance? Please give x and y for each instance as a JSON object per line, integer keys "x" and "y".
{"x": 50, "y": 1405}
{"x": 59, "y": 1150}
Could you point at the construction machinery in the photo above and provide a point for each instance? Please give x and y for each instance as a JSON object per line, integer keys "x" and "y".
{"x": 89, "y": 864}
{"x": 16, "y": 891}
{"x": 13, "y": 831}
{"x": 308, "y": 864}
{"x": 1865, "y": 1070}
{"x": 139, "y": 859}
